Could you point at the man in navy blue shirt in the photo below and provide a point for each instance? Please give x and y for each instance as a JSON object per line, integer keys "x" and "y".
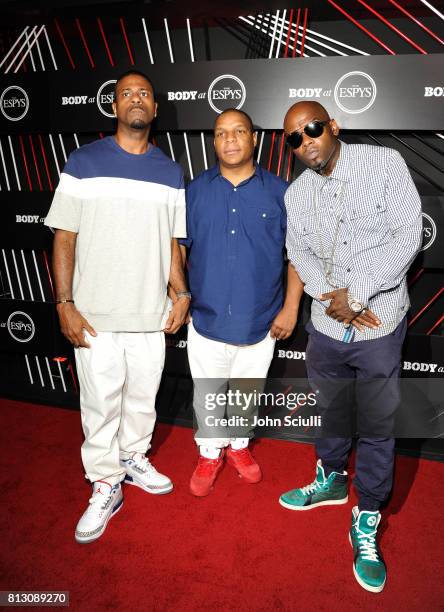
{"x": 236, "y": 227}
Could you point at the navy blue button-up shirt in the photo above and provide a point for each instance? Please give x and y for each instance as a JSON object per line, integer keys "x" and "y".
{"x": 236, "y": 237}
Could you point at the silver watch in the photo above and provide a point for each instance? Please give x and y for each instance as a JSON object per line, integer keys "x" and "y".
{"x": 354, "y": 305}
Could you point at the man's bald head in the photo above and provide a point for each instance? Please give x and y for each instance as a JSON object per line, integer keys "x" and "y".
{"x": 301, "y": 109}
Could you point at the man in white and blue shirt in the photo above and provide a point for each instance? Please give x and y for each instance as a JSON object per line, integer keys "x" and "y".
{"x": 354, "y": 228}
{"x": 118, "y": 211}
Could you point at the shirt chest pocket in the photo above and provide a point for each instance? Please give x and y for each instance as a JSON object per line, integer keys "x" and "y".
{"x": 263, "y": 222}
{"x": 313, "y": 235}
{"x": 368, "y": 216}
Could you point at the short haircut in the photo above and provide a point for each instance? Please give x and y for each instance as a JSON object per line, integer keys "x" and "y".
{"x": 138, "y": 73}
{"x": 241, "y": 112}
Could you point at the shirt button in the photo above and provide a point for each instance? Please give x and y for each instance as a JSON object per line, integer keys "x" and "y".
{"x": 235, "y": 189}
{"x": 233, "y": 231}
{"x": 234, "y": 210}
{"x": 264, "y": 215}
{"x": 348, "y": 270}
{"x": 345, "y": 241}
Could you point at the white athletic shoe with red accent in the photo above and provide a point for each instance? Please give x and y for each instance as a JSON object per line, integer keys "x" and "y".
{"x": 106, "y": 500}
{"x": 141, "y": 473}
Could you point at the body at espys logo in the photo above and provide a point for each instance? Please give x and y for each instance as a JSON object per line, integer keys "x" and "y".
{"x": 20, "y": 326}
{"x": 226, "y": 91}
{"x": 14, "y": 103}
{"x": 355, "y": 92}
{"x": 105, "y": 97}
{"x": 428, "y": 231}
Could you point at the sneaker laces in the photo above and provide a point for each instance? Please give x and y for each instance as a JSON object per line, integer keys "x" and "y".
{"x": 99, "y": 499}
{"x": 143, "y": 463}
{"x": 311, "y": 488}
{"x": 367, "y": 545}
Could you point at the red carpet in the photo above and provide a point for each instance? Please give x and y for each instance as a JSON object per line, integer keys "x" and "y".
{"x": 234, "y": 550}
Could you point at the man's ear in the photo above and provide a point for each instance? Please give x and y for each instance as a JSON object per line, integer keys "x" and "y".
{"x": 114, "y": 107}
{"x": 334, "y": 127}
{"x": 255, "y": 138}
{"x": 155, "y": 109}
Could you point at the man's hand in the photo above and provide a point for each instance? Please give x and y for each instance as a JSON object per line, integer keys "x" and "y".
{"x": 284, "y": 323}
{"x": 73, "y": 325}
{"x": 367, "y": 318}
{"x": 340, "y": 310}
{"x": 178, "y": 315}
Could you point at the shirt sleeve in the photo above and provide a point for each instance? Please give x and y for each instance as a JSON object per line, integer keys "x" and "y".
{"x": 187, "y": 242}
{"x": 180, "y": 225}
{"x": 305, "y": 262}
{"x": 403, "y": 213}
{"x": 66, "y": 207}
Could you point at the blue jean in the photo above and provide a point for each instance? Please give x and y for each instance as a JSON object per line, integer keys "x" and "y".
{"x": 362, "y": 376}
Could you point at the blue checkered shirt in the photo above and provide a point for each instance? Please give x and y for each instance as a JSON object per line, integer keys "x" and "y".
{"x": 371, "y": 205}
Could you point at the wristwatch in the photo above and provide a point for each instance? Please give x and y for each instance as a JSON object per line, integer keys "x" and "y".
{"x": 354, "y": 305}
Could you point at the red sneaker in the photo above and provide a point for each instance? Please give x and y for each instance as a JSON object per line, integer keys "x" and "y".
{"x": 245, "y": 464}
{"x": 205, "y": 474}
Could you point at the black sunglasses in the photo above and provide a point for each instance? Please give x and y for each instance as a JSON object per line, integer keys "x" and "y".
{"x": 314, "y": 129}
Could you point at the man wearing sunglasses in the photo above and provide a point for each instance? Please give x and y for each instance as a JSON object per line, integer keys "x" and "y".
{"x": 354, "y": 228}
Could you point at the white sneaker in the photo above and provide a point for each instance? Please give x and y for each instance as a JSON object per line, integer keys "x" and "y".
{"x": 141, "y": 473}
{"x": 106, "y": 500}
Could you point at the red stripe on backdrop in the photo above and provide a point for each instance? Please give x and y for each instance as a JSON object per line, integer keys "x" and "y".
{"x": 304, "y": 31}
{"x": 361, "y": 27}
{"x": 48, "y": 271}
{"x": 281, "y": 150}
{"x": 392, "y": 27}
{"x": 290, "y": 159}
{"x": 48, "y": 176}
{"x": 85, "y": 44}
{"x": 435, "y": 325}
{"x": 71, "y": 369}
{"x": 419, "y": 23}
{"x": 296, "y": 34}
{"x": 60, "y": 33}
{"x": 28, "y": 176}
{"x": 414, "y": 278}
{"x": 102, "y": 31}
{"x": 35, "y": 163}
{"x": 270, "y": 157}
{"x": 122, "y": 25}
{"x": 288, "y": 33}
{"x": 424, "y": 308}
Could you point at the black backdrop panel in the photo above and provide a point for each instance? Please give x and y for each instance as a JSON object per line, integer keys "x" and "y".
{"x": 28, "y": 327}
{"x": 23, "y": 214}
{"x": 431, "y": 255}
{"x": 360, "y": 92}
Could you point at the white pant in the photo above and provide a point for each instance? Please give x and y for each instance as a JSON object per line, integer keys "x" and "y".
{"x": 213, "y": 364}
{"x": 119, "y": 377}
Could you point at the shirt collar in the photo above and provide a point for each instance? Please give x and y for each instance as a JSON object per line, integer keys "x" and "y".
{"x": 215, "y": 171}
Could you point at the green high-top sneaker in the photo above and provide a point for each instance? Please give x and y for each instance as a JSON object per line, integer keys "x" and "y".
{"x": 368, "y": 566}
{"x": 323, "y": 491}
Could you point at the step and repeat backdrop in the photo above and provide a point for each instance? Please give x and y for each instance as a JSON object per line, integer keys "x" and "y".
{"x": 383, "y": 100}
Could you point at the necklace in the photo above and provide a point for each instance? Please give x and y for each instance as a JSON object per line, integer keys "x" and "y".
{"x": 328, "y": 264}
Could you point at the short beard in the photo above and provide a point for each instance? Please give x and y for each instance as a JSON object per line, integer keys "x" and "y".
{"x": 138, "y": 124}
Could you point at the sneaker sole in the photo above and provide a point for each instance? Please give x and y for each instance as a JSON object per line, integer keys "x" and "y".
{"x": 329, "y": 502}
{"x": 96, "y": 536}
{"x": 164, "y": 491}
{"x": 359, "y": 580}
